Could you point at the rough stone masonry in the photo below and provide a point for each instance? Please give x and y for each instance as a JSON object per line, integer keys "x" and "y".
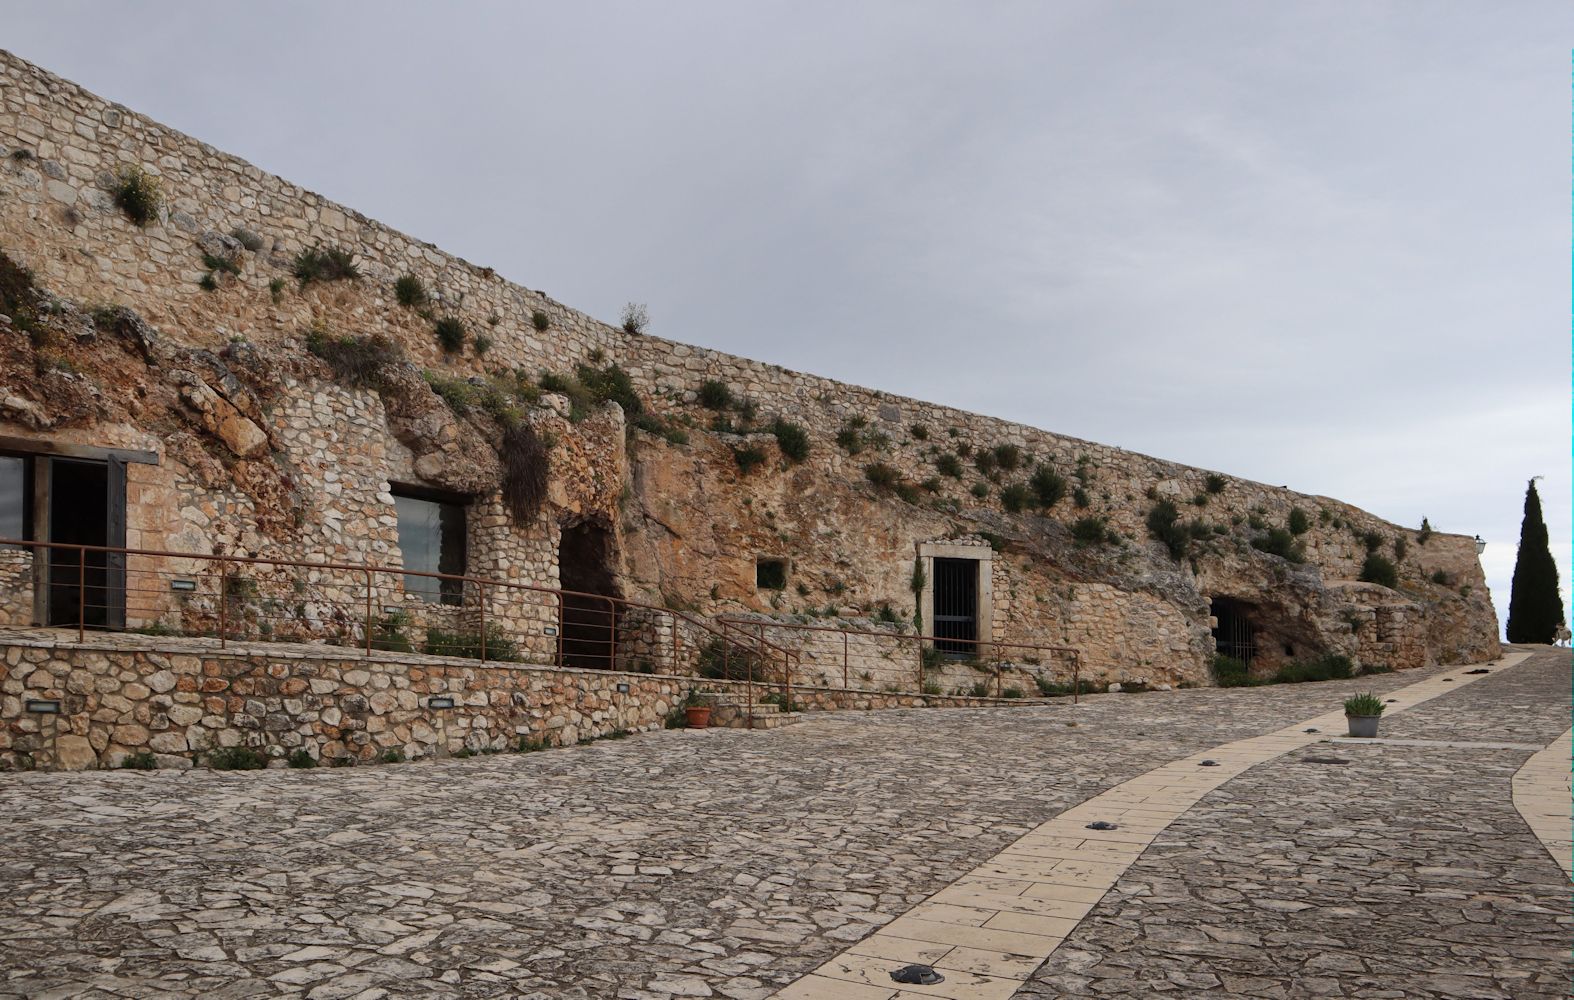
{"x": 272, "y": 375}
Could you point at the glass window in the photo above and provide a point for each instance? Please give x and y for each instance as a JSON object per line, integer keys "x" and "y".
{"x": 432, "y": 539}
{"x": 13, "y": 497}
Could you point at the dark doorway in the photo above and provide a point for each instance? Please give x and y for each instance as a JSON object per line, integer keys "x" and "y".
{"x": 590, "y": 621}
{"x": 1235, "y": 635}
{"x": 86, "y": 503}
{"x": 956, "y": 607}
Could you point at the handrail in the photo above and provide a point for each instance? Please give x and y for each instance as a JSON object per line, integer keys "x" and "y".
{"x": 368, "y": 569}
{"x": 372, "y": 567}
{"x": 995, "y": 646}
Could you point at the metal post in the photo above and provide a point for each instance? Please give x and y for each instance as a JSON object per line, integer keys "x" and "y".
{"x": 1076, "y": 676}
{"x": 81, "y": 595}
{"x": 920, "y": 645}
{"x": 368, "y": 613}
{"x": 560, "y": 617}
{"x": 612, "y": 629}
{"x": 844, "y": 661}
{"x": 749, "y": 664}
{"x": 224, "y": 600}
{"x": 482, "y": 599}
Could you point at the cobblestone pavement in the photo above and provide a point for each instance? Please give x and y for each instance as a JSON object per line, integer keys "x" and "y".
{"x": 1406, "y": 872}
{"x": 671, "y": 864}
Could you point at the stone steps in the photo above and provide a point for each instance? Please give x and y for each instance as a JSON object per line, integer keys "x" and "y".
{"x": 733, "y": 713}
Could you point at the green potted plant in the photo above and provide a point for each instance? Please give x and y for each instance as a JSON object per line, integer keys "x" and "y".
{"x": 1362, "y": 712}
{"x": 696, "y": 711}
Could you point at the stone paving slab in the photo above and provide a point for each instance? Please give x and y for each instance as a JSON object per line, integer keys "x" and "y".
{"x": 671, "y": 864}
{"x": 1404, "y": 872}
{"x": 1071, "y": 849}
{"x": 1542, "y": 794}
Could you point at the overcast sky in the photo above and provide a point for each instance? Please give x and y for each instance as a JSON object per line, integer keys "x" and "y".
{"x": 1323, "y": 245}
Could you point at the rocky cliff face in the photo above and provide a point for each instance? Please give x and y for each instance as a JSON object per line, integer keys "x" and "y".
{"x": 285, "y": 359}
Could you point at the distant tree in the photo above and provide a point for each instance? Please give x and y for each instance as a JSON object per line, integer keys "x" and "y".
{"x": 1535, "y": 610}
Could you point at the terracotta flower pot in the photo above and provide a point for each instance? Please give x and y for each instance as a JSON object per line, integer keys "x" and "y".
{"x": 697, "y": 716}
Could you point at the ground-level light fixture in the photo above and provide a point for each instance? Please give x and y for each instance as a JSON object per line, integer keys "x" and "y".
{"x": 440, "y": 701}
{"x": 921, "y": 975}
{"x": 183, "y": 585}
{"x": 43, "y": 706}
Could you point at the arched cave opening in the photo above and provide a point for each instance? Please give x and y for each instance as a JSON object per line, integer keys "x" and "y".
{"x": 586, "y": 557}
{"x": 1235, "y": 635}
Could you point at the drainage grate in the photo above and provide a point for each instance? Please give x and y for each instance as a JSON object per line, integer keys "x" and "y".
{"x": 921, "y": 975}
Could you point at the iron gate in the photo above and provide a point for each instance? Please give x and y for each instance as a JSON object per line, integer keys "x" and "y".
{"x": 956, "y": 607}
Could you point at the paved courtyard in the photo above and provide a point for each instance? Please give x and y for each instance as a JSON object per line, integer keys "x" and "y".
{"x": 729, "y": 863}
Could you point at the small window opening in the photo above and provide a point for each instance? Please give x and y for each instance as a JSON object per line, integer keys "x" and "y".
{"x": 770, "y": 574}
{"x": 432, "y": 540}
{"x": 1289, "y": 650}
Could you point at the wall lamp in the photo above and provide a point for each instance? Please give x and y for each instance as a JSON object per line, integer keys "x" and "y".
{"x": 186, "y": 585}
{"x": 440, "y": 701}
{"x": 43, "y": 707}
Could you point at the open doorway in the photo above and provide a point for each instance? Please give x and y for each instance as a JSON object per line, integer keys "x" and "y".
{"x": 586, "y": 556}
{"x": 85, "y": 504}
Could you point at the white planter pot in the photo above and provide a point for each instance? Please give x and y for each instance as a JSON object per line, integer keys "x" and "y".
{"x": 1363, "y": 726}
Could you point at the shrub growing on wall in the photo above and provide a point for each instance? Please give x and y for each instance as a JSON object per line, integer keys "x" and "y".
{"x": 635, "y": 318}
{"x": 356, "y": 361}
{"x": 1049, "y": 486}
{"x": 138, "y": 195}
{"x": 715, "y": 394}
{"x": 1008, "y": 457}
{"x": 948, "y": 464}
{"x": 525, "y": 463}
{"x": 410, "y": 292}
{"x": 1164, "y": 524}
{"x": 1379, "y": 570}
{"x": 1299, "y": 523}
{"x": 450, "y": 331}
{"x": 792, "y": 439}
{"x": 1016, "y": 497}
{"x": 324, "y": 264}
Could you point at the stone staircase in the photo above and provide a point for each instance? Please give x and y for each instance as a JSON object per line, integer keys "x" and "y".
{"x": 732, "y": 712}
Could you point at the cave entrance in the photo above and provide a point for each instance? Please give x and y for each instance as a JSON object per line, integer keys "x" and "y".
{"x": 589, "y": 611}
{"x": 1235, "y": 635}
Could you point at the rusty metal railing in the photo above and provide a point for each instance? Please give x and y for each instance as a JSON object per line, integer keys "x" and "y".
{"x": 881, "y": 654}
{"x": 377, "y": 608}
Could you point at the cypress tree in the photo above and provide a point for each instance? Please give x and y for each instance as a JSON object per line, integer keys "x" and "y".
{"x": 1535, "y": 611}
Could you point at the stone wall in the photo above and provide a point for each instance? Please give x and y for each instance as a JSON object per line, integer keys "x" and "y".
{"x": 310, "y": 475}
{"x": 177, "y": 703}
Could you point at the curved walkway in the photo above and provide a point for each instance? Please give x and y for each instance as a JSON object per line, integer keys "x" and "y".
{"x": 989, "y": 930}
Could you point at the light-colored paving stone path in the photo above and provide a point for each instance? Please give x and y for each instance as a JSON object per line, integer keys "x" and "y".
{"x": 667, "y": 865}
{"x": 1542, "y": 794}
{"x": 1011, "y": 913}
{"x": 1402, "y": 871}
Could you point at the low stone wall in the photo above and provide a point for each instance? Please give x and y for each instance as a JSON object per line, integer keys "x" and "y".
{"x": 177, "y": 701}
{"x": 176, "y": 704}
